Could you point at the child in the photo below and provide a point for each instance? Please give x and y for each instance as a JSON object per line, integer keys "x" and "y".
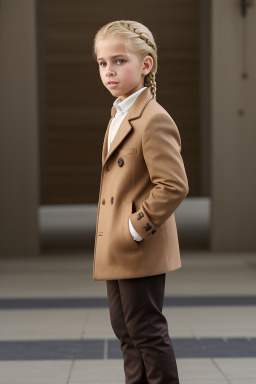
{"x": 143, "y": 181}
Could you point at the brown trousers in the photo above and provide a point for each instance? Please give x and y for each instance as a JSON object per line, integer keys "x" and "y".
{"x": 135, "y": 307}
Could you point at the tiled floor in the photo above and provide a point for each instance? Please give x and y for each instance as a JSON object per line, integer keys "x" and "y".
{"x": 64, "y": 336}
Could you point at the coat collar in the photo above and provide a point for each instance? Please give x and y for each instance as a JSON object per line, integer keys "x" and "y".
{"x": 134, "y": 112}
{"x": 124, "y": 105}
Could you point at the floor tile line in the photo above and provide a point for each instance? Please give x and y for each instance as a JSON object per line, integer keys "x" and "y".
{"x": 110, "y": 349}
{"x": 105, "y": 354}
{"x": 102, "y": 302}
{"x": 70, "y": 371}
{"x": 220, "y": 370}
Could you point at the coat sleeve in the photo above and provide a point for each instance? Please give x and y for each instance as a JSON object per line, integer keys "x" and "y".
{"x": 161, "y": 146}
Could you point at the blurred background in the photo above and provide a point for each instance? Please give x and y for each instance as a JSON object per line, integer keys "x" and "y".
{"x": 54, "y": 111}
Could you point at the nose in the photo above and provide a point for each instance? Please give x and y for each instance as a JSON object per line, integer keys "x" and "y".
{"x": 109, "y": 71}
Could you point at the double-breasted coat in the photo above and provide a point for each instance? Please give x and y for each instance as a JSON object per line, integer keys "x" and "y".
{"x": 143, "y": 178}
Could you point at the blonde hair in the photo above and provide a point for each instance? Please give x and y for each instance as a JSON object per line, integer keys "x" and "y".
{"x": 137, "y": 38}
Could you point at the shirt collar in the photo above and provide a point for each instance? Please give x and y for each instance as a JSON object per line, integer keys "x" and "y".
{"x": 123, "y": 106}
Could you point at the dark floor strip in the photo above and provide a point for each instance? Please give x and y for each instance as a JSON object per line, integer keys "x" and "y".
{"x": 101, "y": 302}
{"x": 94, "y": 349}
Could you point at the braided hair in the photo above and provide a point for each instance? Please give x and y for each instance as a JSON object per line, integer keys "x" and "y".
{"x": 138, "y": 38}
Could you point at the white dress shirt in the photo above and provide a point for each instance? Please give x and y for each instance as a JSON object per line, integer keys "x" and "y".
{"x": 121, "y": 111}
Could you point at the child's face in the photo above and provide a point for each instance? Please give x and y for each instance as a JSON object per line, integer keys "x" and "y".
{"x": 127, "y": 69}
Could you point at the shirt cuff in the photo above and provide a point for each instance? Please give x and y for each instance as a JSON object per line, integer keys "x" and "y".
{"x": 134, "y": 234}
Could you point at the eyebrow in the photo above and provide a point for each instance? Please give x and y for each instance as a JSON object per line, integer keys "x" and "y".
{"x": 112, "y": 57}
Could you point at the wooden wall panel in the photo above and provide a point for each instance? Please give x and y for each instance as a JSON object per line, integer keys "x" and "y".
{"x": 75, "y": 106}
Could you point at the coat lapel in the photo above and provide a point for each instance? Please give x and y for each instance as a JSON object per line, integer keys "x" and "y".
{"x": 133, "y": 113}
{"x": 105, "y": 143}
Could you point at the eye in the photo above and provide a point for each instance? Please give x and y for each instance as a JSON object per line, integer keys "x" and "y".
{"x": 103, "y": 62}
{"x": 123, "y": 60}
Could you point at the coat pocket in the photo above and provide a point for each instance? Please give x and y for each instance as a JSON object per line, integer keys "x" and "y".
{"x": 127, "y": 151}
{"x": 126, "y": 231}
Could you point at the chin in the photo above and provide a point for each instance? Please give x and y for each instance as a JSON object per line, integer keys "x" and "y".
{"x": 115, "y": 93}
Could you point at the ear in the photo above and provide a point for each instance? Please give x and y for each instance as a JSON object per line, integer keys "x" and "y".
{"x": 147, "y": 64}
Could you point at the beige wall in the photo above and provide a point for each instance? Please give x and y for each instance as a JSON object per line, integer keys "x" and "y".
{"x": 233, "y": 128}
{"x": 18, "y": 129}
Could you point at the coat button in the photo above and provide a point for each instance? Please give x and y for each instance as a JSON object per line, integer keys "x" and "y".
{"x": 120, "y": 161}
{"x": 147, "y": 227}
{"x": 140, "y": 215}
{"x": 103, "y": 201}
{"x": 112, "y": 200}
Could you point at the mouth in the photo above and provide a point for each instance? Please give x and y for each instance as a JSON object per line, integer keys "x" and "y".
{"x": 112, "y": 84}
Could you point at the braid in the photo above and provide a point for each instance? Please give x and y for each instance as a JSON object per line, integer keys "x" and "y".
{"x": 151, "y": 82}
{"x": 150, "y": 77}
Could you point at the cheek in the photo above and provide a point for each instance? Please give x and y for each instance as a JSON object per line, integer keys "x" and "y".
{"x": 101, "y": 73}
{"x": 130, "y": 72}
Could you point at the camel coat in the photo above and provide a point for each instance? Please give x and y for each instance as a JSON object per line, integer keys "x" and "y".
{"x": 143, "y": 178}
